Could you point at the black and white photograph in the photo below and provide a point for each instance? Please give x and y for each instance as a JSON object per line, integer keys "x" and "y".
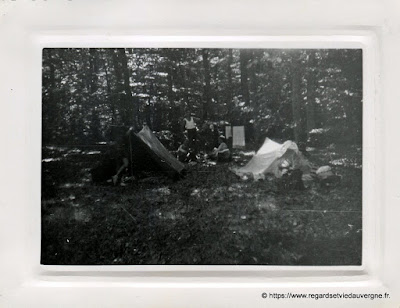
{"x": 202, "y": 156}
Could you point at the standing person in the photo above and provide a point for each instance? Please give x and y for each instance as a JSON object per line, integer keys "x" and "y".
{"x": 190, "y": 127}
{"x": 215, "y": 135}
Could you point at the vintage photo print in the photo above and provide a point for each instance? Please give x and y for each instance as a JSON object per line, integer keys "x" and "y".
{"x": 201, "y": 156}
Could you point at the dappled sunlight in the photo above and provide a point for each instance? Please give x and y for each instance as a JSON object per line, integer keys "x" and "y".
{"x": 129, "y": 175}
{"x": 91, "y": 153}
{"x": 81, "y": 215}
{"x": 69, "y": 212}
{"x": 72, "y": 185}
{"x": 247, "y": 154}
{"x": 49, "y": 160}
{"x": 169, "y": 215}
{"x": 346, "y": 163}
{"x": 164, "y": 191}
{"x": 267, "y": 204}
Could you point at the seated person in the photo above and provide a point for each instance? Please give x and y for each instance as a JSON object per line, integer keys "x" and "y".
{"x": 285, "y": 167}
{"x": 222, "y": 153}
{"x": 183, "y": 150}
{"x": 122, "y": 156}
{"x": 124, "y": 165}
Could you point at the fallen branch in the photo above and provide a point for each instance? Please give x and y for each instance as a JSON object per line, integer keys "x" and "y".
{"x": 133, "y": 218}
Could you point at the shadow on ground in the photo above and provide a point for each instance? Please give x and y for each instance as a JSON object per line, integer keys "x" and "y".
{"x": 210, "y": 217}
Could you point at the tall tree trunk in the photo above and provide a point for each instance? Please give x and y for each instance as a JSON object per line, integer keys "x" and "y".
{"x": 117, "y": 93}
{"x": 174, "y": 112}
{"x": 184, "y": 81}
{"x": 109, "y": 92}
{"x": 170, "y": 82}
{"x": 159, "y": 115}
{"x": 52, "y": 111}
{"x": 229, "y": 94}
{"x": 207, "y": 104}
{"x": 216, "y": 93}
{"x": 311, "y": 90}
{"x": 149, "y": 104}
{"x": 93, "y": 60}
{"x": 94, "y": 119}
{"x": 253, "y": 79}
{"x": 49, "y": 111}
{"x": 130, "y": 116}
{"x": 296, "y": 98}
{"x": 230, "y": 102}
{"x": 244, "y": 75}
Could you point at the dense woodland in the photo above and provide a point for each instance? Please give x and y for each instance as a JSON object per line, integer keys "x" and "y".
{"x": 283, "y": 94}
{"x": 210, "y": 216}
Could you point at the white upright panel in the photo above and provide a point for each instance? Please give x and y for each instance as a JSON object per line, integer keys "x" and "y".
{"x": 238, "y": 137}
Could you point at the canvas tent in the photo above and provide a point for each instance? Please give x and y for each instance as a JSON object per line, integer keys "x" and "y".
{"x": 150, "y": 145}
{"x": 272, "y": 158}
{"x": 146, "y": 153}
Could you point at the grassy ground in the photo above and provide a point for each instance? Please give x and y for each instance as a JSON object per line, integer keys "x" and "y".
{"x": 210, "y": 217}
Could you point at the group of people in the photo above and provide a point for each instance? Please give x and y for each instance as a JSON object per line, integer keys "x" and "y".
{"x": 213, "y": 142}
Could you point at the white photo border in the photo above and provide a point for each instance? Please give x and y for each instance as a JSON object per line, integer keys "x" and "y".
{"x": 24, "y": 280}
{"x": 365, "y": 40}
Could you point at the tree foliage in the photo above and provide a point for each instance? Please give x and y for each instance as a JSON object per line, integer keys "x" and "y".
{"x": 286, "y": 94}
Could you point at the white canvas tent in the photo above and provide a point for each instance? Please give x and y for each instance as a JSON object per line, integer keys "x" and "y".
{"x": 273, "y": 158}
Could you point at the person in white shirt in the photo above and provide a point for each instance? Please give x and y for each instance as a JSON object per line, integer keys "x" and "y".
{"x": 190, "y": 127}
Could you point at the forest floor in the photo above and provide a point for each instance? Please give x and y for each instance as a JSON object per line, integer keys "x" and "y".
{"x": 209, "y": 217}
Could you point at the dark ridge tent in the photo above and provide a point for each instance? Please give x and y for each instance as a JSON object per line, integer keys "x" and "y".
{"x": 146, "y": 153}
